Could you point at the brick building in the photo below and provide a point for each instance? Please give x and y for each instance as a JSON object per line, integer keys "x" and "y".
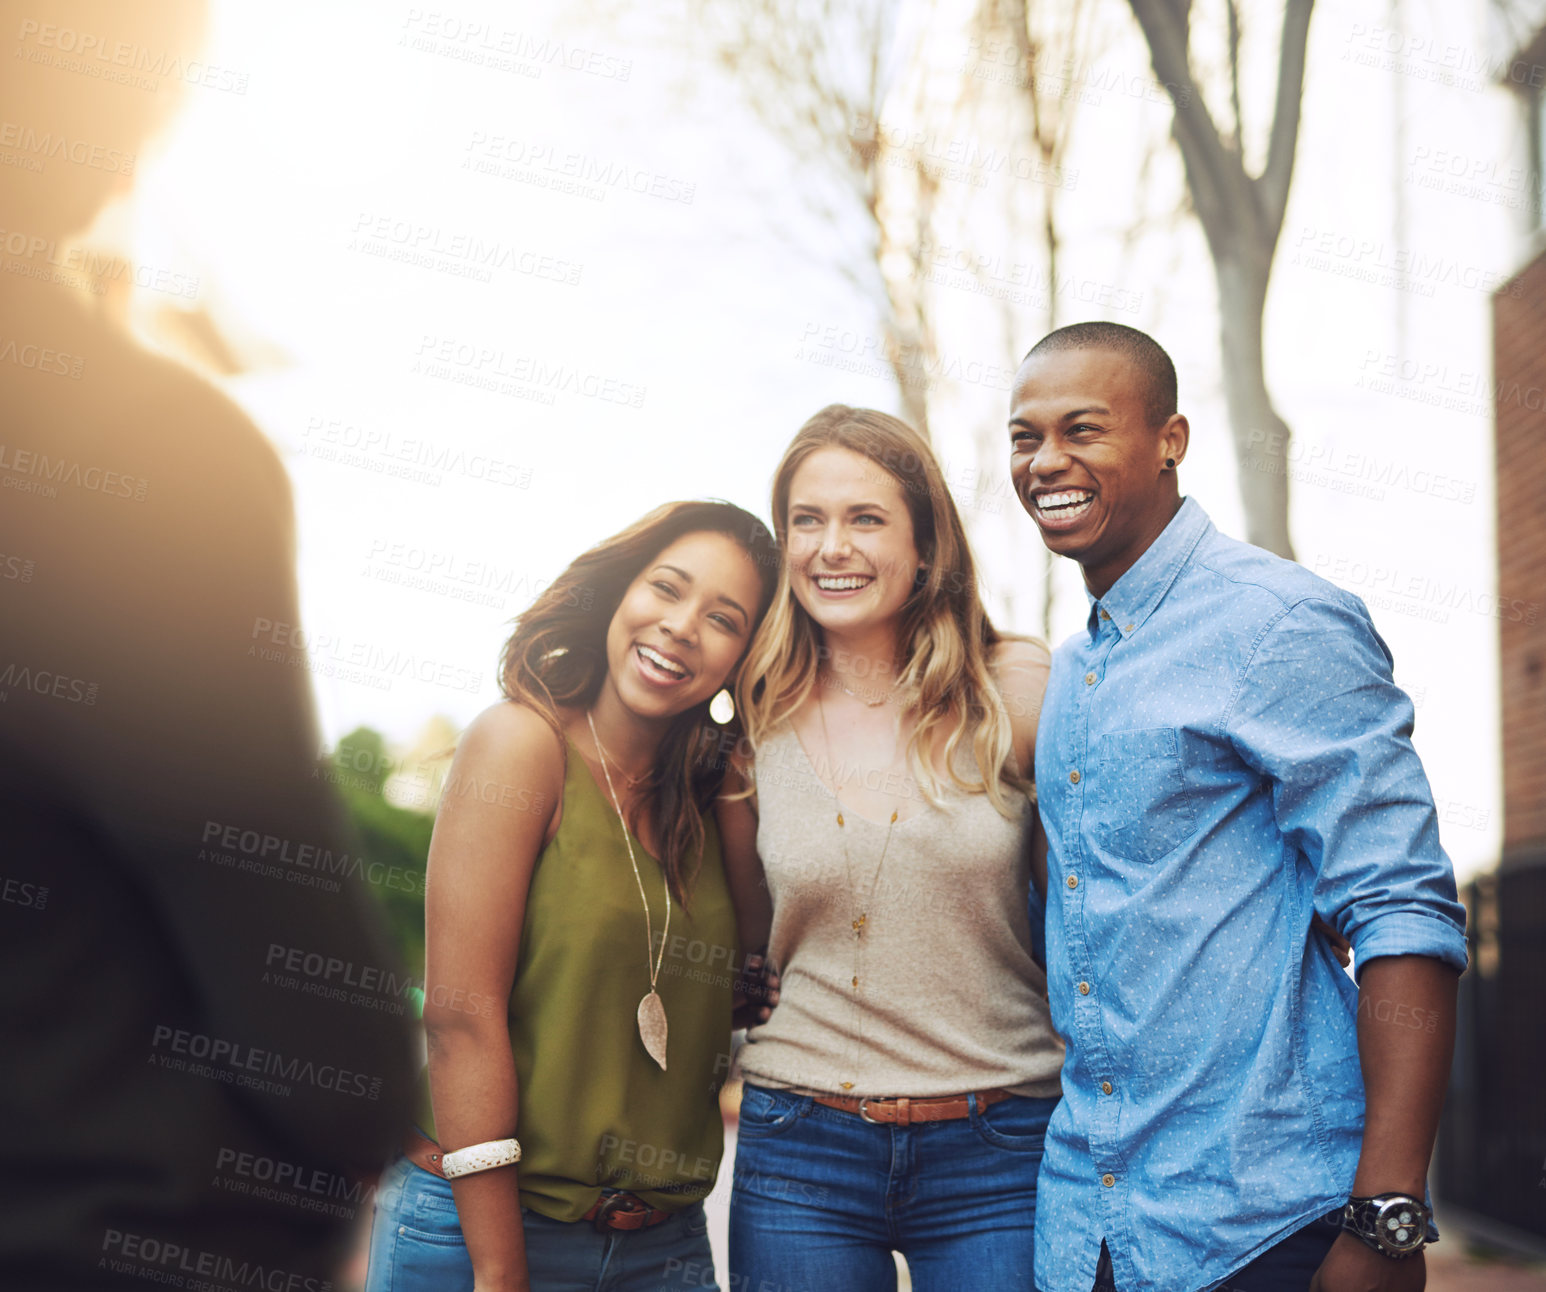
{"x": 1492, "y": 1148}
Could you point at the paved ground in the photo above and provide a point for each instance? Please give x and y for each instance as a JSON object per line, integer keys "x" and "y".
{"x": 1465, "y": 1266}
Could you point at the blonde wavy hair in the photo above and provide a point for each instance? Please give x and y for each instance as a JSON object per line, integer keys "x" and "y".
{"x": 945, "y": 635}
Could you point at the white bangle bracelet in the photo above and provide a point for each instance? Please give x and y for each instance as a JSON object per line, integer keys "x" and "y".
{"x": 480, "y": 1157}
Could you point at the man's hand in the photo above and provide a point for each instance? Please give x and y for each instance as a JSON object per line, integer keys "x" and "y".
{"x": 756, "y": 992}
{"x": 1353, "y": 1266}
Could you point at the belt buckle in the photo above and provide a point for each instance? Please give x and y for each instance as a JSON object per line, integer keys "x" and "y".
{"x": 864, "y": 1116}
{"x": 609, "y": 1205}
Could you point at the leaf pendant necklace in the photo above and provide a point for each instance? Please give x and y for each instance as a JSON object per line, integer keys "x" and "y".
{"x": 652, "y": 1010}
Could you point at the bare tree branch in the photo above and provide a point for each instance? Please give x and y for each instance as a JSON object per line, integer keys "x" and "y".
{"x": 1233, "y": 9}
{"x": 1283, "y": 143}
{"x": 1242, "y": 217}
{"x": 814, "y": 72}
{"x": 1213, "y": 175}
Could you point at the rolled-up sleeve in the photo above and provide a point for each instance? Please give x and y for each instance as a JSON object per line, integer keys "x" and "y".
{"x": 1318, "y": 714}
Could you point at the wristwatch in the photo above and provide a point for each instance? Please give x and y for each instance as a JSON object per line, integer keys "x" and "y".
{"x": 1394, "y": 1224}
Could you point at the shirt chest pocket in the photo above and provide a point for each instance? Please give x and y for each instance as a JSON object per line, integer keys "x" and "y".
{"x": 1139, "y": 807}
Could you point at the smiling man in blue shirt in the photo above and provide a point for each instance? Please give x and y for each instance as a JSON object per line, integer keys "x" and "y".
{"x": 1222, "y": 755}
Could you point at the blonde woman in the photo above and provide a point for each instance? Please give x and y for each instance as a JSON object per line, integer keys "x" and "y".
{"x": 897, "y": 1097}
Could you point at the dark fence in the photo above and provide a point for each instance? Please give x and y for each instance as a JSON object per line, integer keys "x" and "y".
{"x": 1491, "y": 1155}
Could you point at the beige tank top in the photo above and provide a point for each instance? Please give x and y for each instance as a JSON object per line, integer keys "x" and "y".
{"x": 948, "y": 997}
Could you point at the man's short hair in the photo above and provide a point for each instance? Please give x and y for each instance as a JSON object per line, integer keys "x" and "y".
{"x": 1138, "y": 348}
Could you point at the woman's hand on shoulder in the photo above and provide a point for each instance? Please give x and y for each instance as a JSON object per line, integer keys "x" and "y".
{"x": 1021, "y": 666}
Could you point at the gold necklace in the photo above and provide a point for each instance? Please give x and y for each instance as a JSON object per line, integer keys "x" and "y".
{"x": 863, "y": 699}
{"x": 861, "y": 918}
{"x": 652, "y": 1010}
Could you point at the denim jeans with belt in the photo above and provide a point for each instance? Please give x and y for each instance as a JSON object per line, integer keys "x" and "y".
{"x": 416, "y": 1245}
{"x": 822, "y": 1198}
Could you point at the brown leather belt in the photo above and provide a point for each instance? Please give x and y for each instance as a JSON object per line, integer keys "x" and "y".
{"x": 624, "y": 1211}
{"x": 908, "y": 1112}
{"x": 612, "y": 1211}
{"x": 422, "y": 1152}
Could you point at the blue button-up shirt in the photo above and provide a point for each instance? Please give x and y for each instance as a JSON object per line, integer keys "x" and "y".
{"x": 1221, "y": 753}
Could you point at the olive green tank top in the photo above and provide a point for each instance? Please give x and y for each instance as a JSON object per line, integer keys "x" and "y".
{"x": 595, "y": 1110}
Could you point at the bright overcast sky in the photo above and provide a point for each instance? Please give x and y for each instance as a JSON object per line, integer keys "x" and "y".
{"x": 653, "y": 344}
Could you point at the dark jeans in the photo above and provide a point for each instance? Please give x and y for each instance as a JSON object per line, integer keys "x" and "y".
{"x": 1287, "y": 1266}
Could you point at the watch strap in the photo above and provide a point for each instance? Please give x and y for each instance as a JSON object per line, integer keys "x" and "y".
{"x": 1409, "y": 1219}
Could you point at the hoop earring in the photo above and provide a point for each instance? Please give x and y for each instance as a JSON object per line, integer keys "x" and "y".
{"x": 722, "y": 706}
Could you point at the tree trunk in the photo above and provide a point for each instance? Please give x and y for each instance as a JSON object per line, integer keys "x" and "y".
{"x": 1050, "y": 237}
{"x": 1261, "y": 436}
{"x": 909, "y": 363}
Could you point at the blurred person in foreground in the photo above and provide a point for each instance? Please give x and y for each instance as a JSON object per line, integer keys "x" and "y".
{"x": 175, "y": 1110}
{"x": 1223, "y": 756}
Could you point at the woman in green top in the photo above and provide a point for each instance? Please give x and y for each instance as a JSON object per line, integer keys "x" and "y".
{"x": 580, "y": 945}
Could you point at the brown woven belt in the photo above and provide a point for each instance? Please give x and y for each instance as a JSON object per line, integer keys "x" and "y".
{"x": 908, "y": 1112}
{"x": 612, "y": 1211}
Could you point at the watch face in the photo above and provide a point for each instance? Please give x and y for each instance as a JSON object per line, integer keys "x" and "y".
{"x": 1400, "y": 1224}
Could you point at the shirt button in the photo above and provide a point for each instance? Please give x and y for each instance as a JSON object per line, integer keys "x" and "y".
{"x": 1073, "y": 881}
{"x": 1073, "y": 777}
{"x": 1103, "y": 613}
{"x": 1127, "y": 628}
{"x": 1108, "y": 1180}
{"x": 1089, "y": 679}
{"x": 1105, "y": 1087}
{"x": 1084, "y": 989}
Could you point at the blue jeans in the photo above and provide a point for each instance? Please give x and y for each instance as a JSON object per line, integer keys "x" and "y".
{"x": 416, "y": 1245}
{"x": 822, "y": 1198}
